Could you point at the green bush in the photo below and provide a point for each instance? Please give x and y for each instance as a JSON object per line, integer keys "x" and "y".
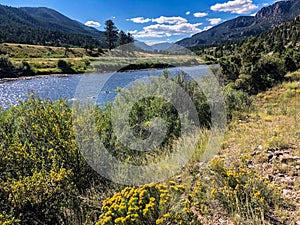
{"x": 145, "y": 110}
{"x": 7, "y": 69}
{"x": 65, "y": 67}
{"x": 42, "y": 171}
{"x": 237, "y": 101}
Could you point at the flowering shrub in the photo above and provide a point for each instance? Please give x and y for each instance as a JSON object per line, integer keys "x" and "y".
{"x": 148, "y": 204}
{"x": 241, "y": 190}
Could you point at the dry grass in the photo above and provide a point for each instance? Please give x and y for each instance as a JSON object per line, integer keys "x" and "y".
{"x": 270, "y": 133}
{"x": 268, "y": 136}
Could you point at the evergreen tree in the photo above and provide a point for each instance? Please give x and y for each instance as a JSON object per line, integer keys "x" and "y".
{"x": 111, "y": 34}
{"x": 122, "y": 38}
{"x": 125, "y": 38}
{"x": 130, "y": 38}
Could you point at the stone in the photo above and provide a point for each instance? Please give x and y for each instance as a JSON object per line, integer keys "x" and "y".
{"x": 286, "y": 191}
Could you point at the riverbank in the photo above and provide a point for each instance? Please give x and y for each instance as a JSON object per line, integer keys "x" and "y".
{"x": 34, "y": 77}
{"x": 21, "y": 60}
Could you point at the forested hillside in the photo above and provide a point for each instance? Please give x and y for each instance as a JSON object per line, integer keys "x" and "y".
{"x": 43, "y": 26}
{"x": 260, "y": 62}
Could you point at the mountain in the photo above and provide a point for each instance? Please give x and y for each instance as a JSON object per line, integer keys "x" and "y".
{"x": 164, "y": 46}
{"x": 244, "y": 26}
{"x": 161, "y": 46}
{"x": 143, "y": 46}
{"x": 53, "y": 20}
{"x": 280, "y": 11}
{"x": 44, "y": 26}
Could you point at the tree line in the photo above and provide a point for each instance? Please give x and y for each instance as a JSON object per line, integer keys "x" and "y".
{"x": 114, "y": 38}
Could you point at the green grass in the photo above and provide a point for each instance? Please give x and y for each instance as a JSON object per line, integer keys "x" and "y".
{"x": 43, "y": 59}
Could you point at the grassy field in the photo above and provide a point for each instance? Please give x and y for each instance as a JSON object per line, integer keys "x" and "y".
{"x": 44, "y": 59}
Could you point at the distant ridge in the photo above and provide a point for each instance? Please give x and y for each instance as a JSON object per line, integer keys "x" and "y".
{"x": 164, "y": 46}
{"x": 244, "y": 26}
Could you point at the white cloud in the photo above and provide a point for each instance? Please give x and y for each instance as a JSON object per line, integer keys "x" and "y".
{"x": 170, "y": 20}
{"x": 139, "y": 20}
{"x": 166, "y": 27}
{"x": 155, "y": 42}
{"x": 133, "y": 32}
{"x": 214, "y": 21}
{"x": 235, "y": 6}
{"x": 168, "y": 30}
{"x": 160, "y": 20}
{"x": 200, "y": 14}
{"x": 188, "y": 13}
{"x": 92, "y": 24}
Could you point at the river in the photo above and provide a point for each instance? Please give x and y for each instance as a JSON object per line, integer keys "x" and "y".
{"x": 55, "y": 87}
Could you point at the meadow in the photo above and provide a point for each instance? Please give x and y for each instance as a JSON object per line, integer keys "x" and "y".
{"x": 41, "y": 60}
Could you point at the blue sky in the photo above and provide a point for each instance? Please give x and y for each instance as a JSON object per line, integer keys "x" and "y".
{"x": 151, "y": 21}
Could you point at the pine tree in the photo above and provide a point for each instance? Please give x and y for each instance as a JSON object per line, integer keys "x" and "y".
{"x": 122, "y": 38}
{"x": 111, "y": 34}
{"x": 130, "y": 38}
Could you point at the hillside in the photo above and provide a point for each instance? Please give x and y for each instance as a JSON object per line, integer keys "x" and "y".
{"x": 53, "y": 20}
{"x": 44, "y": 26}
{"x": 287, "y": 33}
{"x": 245, "y": 26}
{"x": 261, "y": 62}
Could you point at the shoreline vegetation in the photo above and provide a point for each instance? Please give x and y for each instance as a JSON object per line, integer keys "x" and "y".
{"x": 252, "y": 179}
{"x": 23, "y": 60}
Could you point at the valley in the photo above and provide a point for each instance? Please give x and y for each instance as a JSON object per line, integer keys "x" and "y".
{"x": 98, "y": 127}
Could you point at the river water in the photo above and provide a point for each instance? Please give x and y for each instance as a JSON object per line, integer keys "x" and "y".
{"x": 55, "y": 87}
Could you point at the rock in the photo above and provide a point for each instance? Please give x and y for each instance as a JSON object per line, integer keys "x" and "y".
{"x": 286, "y": 192}
{"x": 288, "y": 159}
{"x": 221, "y": 221}
{"x": 288, "y": 180}
{"x": 255, "y": 153}
{"x": 287, "y": 152}
{"x": 278, "y": 153}
{"x": 270, "y": 155}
